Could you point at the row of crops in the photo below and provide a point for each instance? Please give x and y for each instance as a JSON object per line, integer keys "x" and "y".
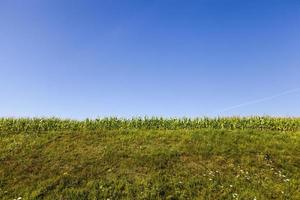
{"x": 16, "y": 125}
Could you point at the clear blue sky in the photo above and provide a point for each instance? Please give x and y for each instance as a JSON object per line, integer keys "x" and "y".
{"x": 171, "y": 58}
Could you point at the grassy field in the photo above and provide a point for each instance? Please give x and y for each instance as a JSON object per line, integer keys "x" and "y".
{"x": 57, "y": 159}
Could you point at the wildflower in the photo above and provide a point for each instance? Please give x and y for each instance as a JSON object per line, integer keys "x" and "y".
{"x": 210, "y": 179}
{"x": 286, "y": 180}
{"x": 231, "y": 186}
{"x": 267, "y": 157}
{"x": 19, "y": 198}
{"x": 254, "y": 198}
{"x": 234, "y": 195}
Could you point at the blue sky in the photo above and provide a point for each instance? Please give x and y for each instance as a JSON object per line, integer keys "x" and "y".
{"x": 171, "y": 58}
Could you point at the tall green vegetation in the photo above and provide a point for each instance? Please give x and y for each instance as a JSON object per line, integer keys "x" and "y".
{"x": 13, "y": 125}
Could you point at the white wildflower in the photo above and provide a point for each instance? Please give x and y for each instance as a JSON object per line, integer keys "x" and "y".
{"x": 234, "y": 195}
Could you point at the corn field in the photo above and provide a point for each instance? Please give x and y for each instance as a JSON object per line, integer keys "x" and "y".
{"x": 37, "y": 125}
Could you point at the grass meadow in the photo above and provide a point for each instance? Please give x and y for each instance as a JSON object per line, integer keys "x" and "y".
{"x": 150, "y": 158}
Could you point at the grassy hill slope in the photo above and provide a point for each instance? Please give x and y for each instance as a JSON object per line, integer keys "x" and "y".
{"x": 150, "y": 164}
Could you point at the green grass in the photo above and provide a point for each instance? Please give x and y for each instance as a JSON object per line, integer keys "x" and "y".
{"x": 38, "y": 125}
{"x": 151, "y": 163}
